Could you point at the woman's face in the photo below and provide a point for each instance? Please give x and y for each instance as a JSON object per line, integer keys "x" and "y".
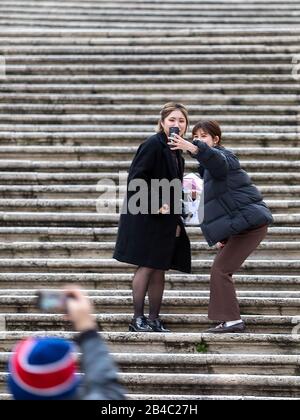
{"x": 206, "y": 138}
{"x": 175, "y": 119}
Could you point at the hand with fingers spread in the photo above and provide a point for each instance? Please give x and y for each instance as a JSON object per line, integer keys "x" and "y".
{"x": 179, "y": 143}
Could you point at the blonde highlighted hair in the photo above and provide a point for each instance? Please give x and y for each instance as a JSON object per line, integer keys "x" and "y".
{"x": 167, "y": 110}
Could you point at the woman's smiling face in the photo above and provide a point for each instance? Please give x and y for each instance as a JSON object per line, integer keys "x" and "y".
{"x": 175, "y": 119}
{"x": 206, "y": 138}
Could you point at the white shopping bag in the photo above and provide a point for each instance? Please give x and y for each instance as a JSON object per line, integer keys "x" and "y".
{"x": 193, "y": 193}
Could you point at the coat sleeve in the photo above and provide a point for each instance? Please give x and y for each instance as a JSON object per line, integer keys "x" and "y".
{"x": 100, "y": 381}
{"x": 212, "y": 160}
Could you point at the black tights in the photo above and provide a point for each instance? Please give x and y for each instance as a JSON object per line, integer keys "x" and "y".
{"x": 153, "y": 281}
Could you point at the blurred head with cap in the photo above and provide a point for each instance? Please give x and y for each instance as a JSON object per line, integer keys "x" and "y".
{"x": 43, "y": 369}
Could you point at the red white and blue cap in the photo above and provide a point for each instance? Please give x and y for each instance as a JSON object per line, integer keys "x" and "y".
{"x": 43, "y": 369}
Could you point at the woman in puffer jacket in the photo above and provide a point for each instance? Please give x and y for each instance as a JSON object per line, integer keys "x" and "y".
{"x": 236, "y": 219}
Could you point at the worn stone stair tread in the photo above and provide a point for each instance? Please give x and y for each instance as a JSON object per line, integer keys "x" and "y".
{"x": 90, "y": 205}
{"x": 90, "y": 216}
{"x": 73, "y": 111}
{"x": 166, "y": 337}
{"x": 108, "y": 322}
{"x": 70, "y": 178}
{"x": 207, "y": 382}
{"x": 173, "y": 281}
{"x": 106, "y": 262}
{"x": 170, "y": 397}
{"x": 195, "y": 359}
{"x": 89, "y": 138}
{"x": 146, "y": 109}
{"x": 93, "y": 165}
{"x": 101, "y": 79}
{"x": 61, "y": 129}
{"x": 179, "y": 300}
{"x": 168, "y": 293}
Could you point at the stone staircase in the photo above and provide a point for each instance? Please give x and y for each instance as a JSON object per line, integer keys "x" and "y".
{"x": 84, "y": 85}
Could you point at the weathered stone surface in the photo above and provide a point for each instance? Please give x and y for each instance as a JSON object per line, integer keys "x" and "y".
{"x": 83, "y": 88}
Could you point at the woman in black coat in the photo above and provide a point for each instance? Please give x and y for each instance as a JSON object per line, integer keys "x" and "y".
{"x": 235, "y": 218}
{"x": 154, "y": 238}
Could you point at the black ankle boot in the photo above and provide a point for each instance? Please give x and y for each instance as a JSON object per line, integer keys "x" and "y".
{"x": 158, "y": 326}
{"x": 140, "y": 324}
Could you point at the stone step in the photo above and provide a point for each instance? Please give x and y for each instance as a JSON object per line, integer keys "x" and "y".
{"x": 149, "y": 48}
{"x": 122, "y": 165}
{"x": 99, "y": 40}
{"x": 121, "y": 98}
{"x": 112, "y": 205}
{"x": 26, "y": 68}
{"x": 130, "y": 128}
{"x": 127, "y": 292}
{"x": 104, "y": 281}
{"x": 131, "y": 57}
{"x": 88, "y": 234}
{"x": 285, "y": 386}
{"x": 74, "y": 219}
{"x": 111, "y": 22}
{"x": 204, "y": 32}
{"x": 110, "y": 14}
{"x": 178, "y": 8}
{"x": 199, "y": 363}
{"x": 200, "y": 266}
{"x": 178, "y": 304}
{"x": 83, "y": 120}
{"x": 113, "y": 293}
{"x": 227, "y": 79}
{"x": 113, "y": 10}
{"x": 182, "y": 343}
{"x": 172, "y": 397}
{"x": 119, "y": 322}
{"x": 128, "y": 36}
{"x": 248, "y": 54}
{"x": 195, "y": 384}
{"x": 34, "y": 178}
{"x": 263, "y": 139}
{"x": 132, "y": 88}
{"x": 149, "y": 22}
{"x": 93, "y": 191}
{"x": 266, "y": 250}
{"x": 252, "y": 8}
{"x": 113, "y": 111}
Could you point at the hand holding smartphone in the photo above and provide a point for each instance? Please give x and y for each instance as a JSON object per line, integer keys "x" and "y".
{"x": 172, "y": 132}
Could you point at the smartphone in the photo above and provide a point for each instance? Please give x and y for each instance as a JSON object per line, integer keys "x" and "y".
{"x": 172, "y": 132}
{"x": 51, "y": 301}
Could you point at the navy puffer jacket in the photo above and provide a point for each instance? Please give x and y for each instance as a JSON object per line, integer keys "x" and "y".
{"x": 232, "y": 204}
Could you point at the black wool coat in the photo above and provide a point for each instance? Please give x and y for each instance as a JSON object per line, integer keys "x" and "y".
{"x": 232, "y": 204}
{"x": 149, "y": 240}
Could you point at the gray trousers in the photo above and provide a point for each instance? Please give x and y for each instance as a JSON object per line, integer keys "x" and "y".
{"x": 223, "y": 304}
